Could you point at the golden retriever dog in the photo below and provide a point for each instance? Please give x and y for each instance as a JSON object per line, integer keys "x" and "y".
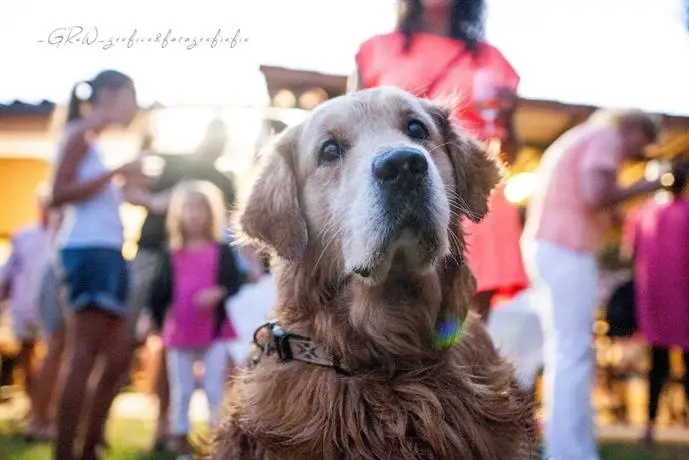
{"x": 375, "y": 354}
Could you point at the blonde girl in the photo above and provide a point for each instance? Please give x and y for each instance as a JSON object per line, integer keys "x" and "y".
{"x": 196, "y": 277}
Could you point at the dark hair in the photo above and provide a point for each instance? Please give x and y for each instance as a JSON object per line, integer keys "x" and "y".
{"x": 107, "y": 79}
{"x": 466, "y": 21}
{"x": 680, "y": 173}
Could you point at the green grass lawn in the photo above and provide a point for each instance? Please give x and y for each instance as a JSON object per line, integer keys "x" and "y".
{"x": 131, "y": 439}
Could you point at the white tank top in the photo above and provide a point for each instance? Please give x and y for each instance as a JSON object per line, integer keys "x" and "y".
{"x": 94, "y": 222}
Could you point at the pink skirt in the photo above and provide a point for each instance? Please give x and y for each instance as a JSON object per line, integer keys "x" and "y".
{"x": 493, "y": 247}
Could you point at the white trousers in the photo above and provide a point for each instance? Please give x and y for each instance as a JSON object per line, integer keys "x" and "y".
{"x": 564, "y": 295}
{"x": 180, "y": 370}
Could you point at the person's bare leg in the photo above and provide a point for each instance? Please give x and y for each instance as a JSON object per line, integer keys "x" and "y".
{"x": 45, "y": 385}
{"x": 26, "y": 354}
{"x": 163, "y": 393}
{"x": 83, "y": 352}
{"x": 114, "y": 349}
{"x": 121, "y": 382}
{"x": 483, "y": 302}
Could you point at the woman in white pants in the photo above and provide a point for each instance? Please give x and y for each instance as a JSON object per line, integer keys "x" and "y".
{"x": 575, "y": 190}
{"x": 564, "y": 291}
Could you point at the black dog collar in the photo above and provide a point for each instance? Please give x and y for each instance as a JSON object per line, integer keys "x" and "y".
{"x": 293, "y": 347}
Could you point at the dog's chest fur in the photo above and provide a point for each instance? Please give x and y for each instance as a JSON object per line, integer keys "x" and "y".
{"x": 299, "y": 411}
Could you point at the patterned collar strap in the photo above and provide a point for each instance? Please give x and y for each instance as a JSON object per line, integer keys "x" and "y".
{"x": 293, "y": 347}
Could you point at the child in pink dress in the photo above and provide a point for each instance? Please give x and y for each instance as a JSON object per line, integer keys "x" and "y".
{"x": 188, "y": 302}
{"x": 659, "y": 238}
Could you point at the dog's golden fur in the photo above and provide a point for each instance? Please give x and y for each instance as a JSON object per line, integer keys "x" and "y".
{"x": 406, "y": 398}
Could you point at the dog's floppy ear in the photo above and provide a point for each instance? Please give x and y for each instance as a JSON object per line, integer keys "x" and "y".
{"x": 476, "y": 172}
{"x": 271, "y": 215}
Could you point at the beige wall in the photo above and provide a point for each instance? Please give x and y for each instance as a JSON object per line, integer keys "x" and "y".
{"x": 19, "y": 178}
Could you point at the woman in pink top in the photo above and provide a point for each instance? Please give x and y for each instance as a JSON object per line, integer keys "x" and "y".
{"x": 659, "y": 240}
{"x": 188, "y": 301}
{"x": 576, "y": 190}
{"x": 438, "y": 52}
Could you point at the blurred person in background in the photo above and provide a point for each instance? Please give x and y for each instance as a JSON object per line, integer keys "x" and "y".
{"x": 438, "y": 52}
{"x": 658, "y": 240}
{"x": 90, "y": 244}
{"x": 49, "y": 304}
{"x": 574, "y": 198}
{"x": 197, "y": 275}
{"x": 154, "y": 196}
{"x": 19, "y": 280}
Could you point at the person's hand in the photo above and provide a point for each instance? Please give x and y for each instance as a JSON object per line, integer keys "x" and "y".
{"x": 130, "y": 168}
{"x": 509, "y": 101}
{"x": 132, "y": 172}
{"x": 508, "y": 104}
{"x": 209, "y": 298}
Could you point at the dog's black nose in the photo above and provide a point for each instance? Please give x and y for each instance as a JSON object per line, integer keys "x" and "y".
{"x": 404, "y": 167}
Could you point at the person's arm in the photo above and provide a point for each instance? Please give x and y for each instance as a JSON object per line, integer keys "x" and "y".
{"x": 7, "y": 273}
{"x": 4, "y": 287}
{"x": 140, "y": 193}
{"x": 600, "y": 189}
{"x": 231, "y": 278}
{"x": 66, "y": 188}
{"x": 512, "y": 142}
{"x": 598, "y": 173}
{"x": 508, "y": 94}
{"x": 156, "y": 203}
{"x": 629, "y": 236}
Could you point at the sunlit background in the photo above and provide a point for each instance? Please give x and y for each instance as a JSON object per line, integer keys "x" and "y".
{"x": 572, "y": 56}
{"x": 592, "y": 52}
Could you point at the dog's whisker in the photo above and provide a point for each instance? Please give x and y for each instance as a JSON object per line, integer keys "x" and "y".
{"x": 444, "y": 144}
{"x": 338, "y": 231}
{"x": 461, "y": 204}
{"x": 325, "y": 249}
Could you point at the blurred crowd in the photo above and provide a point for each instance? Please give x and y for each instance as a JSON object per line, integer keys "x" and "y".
{"x": 70, "y": 287}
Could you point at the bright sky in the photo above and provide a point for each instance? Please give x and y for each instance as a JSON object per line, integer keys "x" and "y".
{"x": 579, "y": 51}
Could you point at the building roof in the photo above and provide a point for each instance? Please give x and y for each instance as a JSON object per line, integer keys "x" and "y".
{"x": 539, "y": 122}
{"x": 18, "y": 108}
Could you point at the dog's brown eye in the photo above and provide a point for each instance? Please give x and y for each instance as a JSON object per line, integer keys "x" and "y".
{"x": 330, "y": 152}
{"x": 416, "y": 130}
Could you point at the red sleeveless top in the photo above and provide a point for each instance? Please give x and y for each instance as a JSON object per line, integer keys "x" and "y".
{"x": 382, "y": 61}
